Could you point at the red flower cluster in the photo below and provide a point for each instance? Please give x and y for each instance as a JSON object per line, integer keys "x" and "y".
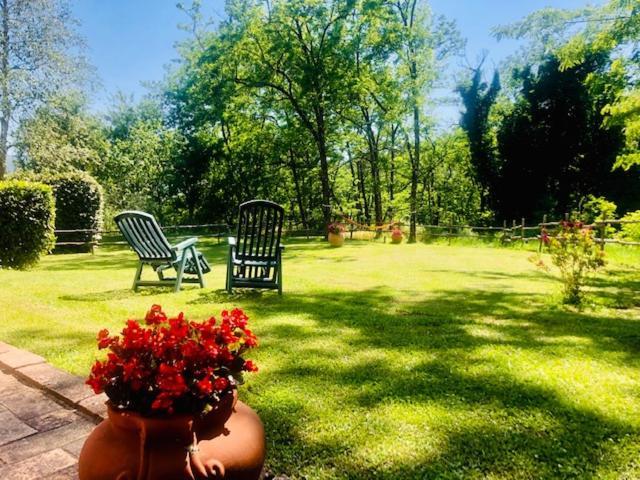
{"x": 568, "y": 224}
{"x": 336, "y": 228}
{"x": 173, "y": 365}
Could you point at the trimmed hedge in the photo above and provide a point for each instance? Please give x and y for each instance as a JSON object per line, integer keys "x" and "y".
{"x": 27, "y": 216}
{"x": 79, "y": 205}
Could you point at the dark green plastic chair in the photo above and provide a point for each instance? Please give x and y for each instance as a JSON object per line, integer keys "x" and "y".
{"x": 145, "y": 236}
{"x": 255, "y": 254}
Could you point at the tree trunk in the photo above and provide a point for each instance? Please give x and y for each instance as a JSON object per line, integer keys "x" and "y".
{"x": 363, "y": 193}
{"x": 415, "y": 166}
{"x": 392, "y": 166}
{"x": 321, "y": 142}
{"x": 4, "y": 88}
{"x": 296, "y": 182}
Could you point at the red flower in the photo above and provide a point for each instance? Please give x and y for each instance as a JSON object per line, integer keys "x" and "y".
{"x": 220, "y": 384}
{"x": 155, "y": 315}
{"x": 249, "y": 366}
{"x": 104, "y": 340}
{"x": 172, "y": 364}
{"x": 205, "y": 386}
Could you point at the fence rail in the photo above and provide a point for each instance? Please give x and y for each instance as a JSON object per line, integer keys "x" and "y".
{"x": 516, "y": 232}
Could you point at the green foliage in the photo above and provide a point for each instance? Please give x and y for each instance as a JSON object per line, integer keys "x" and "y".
{"x": 62, "y": 136}
{"x": 576, "y": 254}
{"x": 574, "y": 36}
{"x": 597, "y": 209}
{"x": 555, "y": 139}
{"x": 478, "y": 97}
{"x": 41, "y": 55}
{"x": 630, "y": 231}
{"x": 451, "y": 193}
{"x": 79, "y": 202}
{"x": 137, "y": 172}
{"x": 27, "y": 214}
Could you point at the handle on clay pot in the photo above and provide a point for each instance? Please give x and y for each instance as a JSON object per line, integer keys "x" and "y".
{"x": 211, "y": 469}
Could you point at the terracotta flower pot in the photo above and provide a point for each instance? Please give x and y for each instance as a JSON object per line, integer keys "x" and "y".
{"x": 227, "y": 443}
{"x": 336, "y": 239}
{"x": 396, "y": 237}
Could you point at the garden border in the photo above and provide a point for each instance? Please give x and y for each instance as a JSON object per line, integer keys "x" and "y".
{"x": 69, "y": 389}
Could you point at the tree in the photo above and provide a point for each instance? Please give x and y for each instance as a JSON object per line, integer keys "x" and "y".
{"x": 60, "y": 136}
{"x": 425, "y": 42}
{"x": 553, "y": 147}
{"x": 297, "y": 51}
{"x": 478, "y": 98}
{"x": 574, "y": 35}
{"x": 39, "y": 56}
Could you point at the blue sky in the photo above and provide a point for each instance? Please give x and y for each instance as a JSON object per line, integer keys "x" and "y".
{"x": 131, "y": 41}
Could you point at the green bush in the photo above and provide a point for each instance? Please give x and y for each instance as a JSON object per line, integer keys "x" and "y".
{"x": 576, "y": 254}
{"x": 630, "y": 232}
{"x": 79, "y": 203}
{"x": 27, "y": 215}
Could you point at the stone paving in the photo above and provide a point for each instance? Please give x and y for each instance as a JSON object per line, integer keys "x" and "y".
{"x": 45, "y": 416}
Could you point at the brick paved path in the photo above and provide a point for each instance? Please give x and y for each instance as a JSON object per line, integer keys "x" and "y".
{"x": 45, "y": 416}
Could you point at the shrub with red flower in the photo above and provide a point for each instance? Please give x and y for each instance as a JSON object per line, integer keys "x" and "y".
{"x": 336, "y": 228}
{"x": 172, "y": 365}
{"x": 575, "y": 252}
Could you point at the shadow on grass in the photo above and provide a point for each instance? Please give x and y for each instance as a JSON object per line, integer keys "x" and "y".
{"x": 112, "y": 295}
{"x": 499, "y": 424}
{"x": 569, "y": 441}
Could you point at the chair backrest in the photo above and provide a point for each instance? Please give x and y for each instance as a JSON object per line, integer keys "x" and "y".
{"x": 259, "y": 230}
{"x": 144, "y": 235}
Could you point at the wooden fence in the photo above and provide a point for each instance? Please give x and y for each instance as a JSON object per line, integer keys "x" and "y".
{"x": 92, "y": 238}
{"x": 515, "y": 232}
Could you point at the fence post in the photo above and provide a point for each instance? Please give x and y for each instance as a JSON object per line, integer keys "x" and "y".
{"x": 603, "y": 229}
{"x": 522, "y": 231}
{"x": 513, "y": 229}
{"x": 542, "y": 229}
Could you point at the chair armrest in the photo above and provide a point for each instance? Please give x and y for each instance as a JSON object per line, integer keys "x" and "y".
{"x": 189, "y": 242}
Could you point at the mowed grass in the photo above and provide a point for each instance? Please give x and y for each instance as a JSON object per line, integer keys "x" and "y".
{"x": 395, "y": 362}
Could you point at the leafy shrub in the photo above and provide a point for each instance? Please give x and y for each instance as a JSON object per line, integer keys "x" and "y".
{"x": 79, "y": 203}
{"x": 630, "y": 231}
{"x": 597, "y": 209}
{"x": 27, "y": 215}
{"x": 576, "y": 254}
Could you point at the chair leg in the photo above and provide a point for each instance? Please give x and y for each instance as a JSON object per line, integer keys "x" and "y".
{"x": 279, "y": 275}
{"x": 136, "y": 279}
{"x": 180, "y": 272}
{"x": 229, "y": 285}
{"x": 199, "y": 270}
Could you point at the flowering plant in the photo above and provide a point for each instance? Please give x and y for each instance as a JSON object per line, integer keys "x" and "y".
{"x": 336, "y": 228}
{"x": 396, "y": 232}
{"x": 576, "y": 254}
{"x": 173, "y": 365}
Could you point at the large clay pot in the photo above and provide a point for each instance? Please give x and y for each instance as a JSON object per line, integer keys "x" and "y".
{"x": 336, "y": 239}
{"x": 396, "y": 236}
{"x": 227, "y": 443}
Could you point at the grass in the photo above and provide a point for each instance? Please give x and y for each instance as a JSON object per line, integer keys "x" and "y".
{"x": 395, "y": 362}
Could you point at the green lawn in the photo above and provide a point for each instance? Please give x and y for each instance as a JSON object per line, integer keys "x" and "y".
{"x": 381, "y": 361}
